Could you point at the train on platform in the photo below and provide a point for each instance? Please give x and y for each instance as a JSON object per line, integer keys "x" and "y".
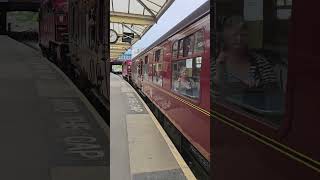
{"x": 116, "y": 66}
{"x": 173, "y": 74}
{"x": 126, "y": 70}
{"x": 73, "y": 35}
{"x": 265, "y": 90}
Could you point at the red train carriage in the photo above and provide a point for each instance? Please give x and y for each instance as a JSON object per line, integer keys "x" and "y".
{"x": 266, "y": 101}
{"x": 126, "y": 70}
{"x": 174, "y": 73}
{"x": 53, "y": 29}
{"x": 88, "y": 22}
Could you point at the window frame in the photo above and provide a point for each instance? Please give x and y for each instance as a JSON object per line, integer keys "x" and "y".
{"x": 192, "y": 56}
{"x": 145, "y": 67}
{"x": 255, "y": 121}
{"x": 194, "y": 100}
{"x": 193, "y": 43}
{"x": 203, "y": 47}
{"x": 177, "y": 50}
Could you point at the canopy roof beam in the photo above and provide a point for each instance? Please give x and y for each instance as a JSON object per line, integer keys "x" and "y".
{"x": 148, "y": 9}
{"x": 135, "y": 19}
{"x": 116, "y": 51}
{"x": 121, "y": 44}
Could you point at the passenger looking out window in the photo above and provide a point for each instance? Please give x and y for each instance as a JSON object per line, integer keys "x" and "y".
{"x": 250, "y": 61}
{"x": 186, "y": 77}
{"x": 184, "y": 82}
{"x": 238, "y": 63}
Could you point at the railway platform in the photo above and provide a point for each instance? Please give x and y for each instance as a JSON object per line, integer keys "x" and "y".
{"x": 49, "y": 131}
{"x": 140, "y": 148}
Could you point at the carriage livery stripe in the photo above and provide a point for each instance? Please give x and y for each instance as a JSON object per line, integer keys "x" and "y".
{"x": 293, "y": 154}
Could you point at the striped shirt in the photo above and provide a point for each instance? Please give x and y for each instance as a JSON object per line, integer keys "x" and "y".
{"x": 261, "y": 71}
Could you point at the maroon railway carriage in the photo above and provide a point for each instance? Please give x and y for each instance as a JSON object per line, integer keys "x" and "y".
{"x": 87, "y": 43}
{"x": 157, "y": 72}
{"x": 267, "y": 132}
{"x": 88, "y": 36}
{"x": 126, "y": 70}
{"x": 53, "y": 29}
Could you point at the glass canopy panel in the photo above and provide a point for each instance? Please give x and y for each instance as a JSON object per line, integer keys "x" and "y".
{"x": 133, "y": 16}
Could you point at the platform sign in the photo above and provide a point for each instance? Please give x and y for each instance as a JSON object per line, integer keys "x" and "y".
{"x": 125, "y": 56}
{"x": 127, "y": 37}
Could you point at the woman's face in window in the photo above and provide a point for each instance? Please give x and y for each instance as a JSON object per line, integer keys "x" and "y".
{"x": 236, "y": 37}
{"x": 184, "y": 74}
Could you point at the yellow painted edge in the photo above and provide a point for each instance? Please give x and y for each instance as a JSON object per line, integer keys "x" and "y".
{"x": 183, "y": 165}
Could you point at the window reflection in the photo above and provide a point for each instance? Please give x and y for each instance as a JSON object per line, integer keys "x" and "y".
{"x": 186, "y": 77}
{"x": 250, "y": 66}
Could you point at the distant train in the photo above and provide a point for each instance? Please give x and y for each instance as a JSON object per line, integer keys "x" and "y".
{"x": 126, "y": 70}
{"x": 116, "y": 67}
{"x": 174, "y": 74}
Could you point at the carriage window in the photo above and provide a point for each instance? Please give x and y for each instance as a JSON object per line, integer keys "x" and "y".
{"x": 250, "y": 65}
{"x": 199, "y": 42}
{"x": 175, "y": 49}
{"x": 145, "y": 68}
{"x": 157, "y": 74}
{"x": 158, "y": 56}
{"x": 180, "y": 48}
{"x": 187, "y": 46}
{"x": 186, "y": 77}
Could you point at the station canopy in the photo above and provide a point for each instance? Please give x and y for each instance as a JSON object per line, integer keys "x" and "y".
{"x": 130, "y": 20}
